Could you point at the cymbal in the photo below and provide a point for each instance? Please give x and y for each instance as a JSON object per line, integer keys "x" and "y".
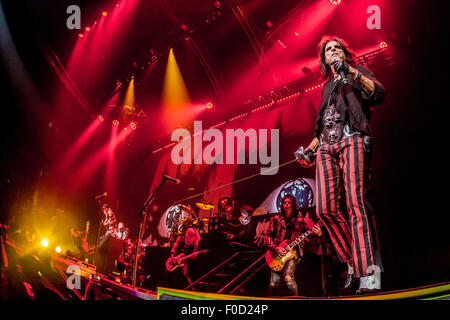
{"x": 205, "y": 205}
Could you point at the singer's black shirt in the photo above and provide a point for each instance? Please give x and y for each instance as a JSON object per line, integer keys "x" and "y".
{"x": 353, "y": 104}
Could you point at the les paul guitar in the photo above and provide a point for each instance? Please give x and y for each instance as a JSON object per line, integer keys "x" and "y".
{"x": 172, "y": 264}
{"x": 277, "y": 262}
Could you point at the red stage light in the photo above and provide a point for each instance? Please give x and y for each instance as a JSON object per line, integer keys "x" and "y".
{"x": 88, "y": 29}
{"x": 100, "y": 117}
{"x": 209, "y": 105}
{"x": 115, "y": 122}
{"x": 80, "y": 35}
{"x": 335, "y": 2}
{"x": 383, "y": 45}
{"x": 133, "y": 125}
{"x": 104, "y": 13}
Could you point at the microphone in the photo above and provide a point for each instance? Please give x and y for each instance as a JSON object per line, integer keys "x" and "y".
{"x": 344, "y": 78}
{"x": 341, "y": 73}
{"x": 177, "y": 181}
{"x": 104, "y": 194}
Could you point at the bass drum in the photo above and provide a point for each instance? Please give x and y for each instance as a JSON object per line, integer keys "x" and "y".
{"x": 174, "y": 220}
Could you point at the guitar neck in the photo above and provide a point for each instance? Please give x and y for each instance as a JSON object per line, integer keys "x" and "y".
{"x": 298, "y": 240}
{"x": 192, "y": 254}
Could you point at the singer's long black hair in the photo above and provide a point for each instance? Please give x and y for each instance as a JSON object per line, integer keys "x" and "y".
{"x": 325, "y": 68}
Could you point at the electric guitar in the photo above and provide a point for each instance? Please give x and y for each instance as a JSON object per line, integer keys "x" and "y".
{"x": 277, "y": 262}
{"x": 172, "y": 264}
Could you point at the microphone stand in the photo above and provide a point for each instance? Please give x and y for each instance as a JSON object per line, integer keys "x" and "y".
{"x": 143, "y": 214}
{"x": 98, "y": 232}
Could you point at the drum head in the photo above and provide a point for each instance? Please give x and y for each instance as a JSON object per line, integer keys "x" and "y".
{"x": 174, "y": 219}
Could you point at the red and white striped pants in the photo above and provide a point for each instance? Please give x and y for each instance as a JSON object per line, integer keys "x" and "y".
{"x": 346, "y": 164}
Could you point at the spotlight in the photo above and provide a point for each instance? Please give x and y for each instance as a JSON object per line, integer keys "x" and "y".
{"x": 58, "y": 249}
{"x": 335, "y": 2}
{"x": 80, "y": 35}
{"x": 88, "y": 29}
{"x": 100, "y": 117}
{"x": 383, "y": 45}
{"x": 44, "y": 242}
{"x": 209, "y": 105}
{"x": 133, "y": 125}
{"x": 104, "y": 13}
{"x": 115, "y": 122}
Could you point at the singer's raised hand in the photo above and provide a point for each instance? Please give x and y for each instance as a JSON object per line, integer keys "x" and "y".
{"x": 341, "y": 66}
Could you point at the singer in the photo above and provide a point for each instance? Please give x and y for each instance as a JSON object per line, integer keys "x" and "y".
{"x": 342, "y": 148}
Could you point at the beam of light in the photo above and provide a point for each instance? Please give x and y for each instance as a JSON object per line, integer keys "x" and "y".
{"x": 81, "y": 49}
{"x": 175, "y": 96}
{"x": 149, "y": 71}
{"x": 175, "y": 93}
{"x": 110, "y": 163}
{"x": 92, "y": 164}
{"x": 110, "y": 38}
{"x": 21, "y": 82}
{"x": 68, "y": 158}
{"x": 307, "y": 26}
{"x": 110, "y": 103}
{"x": 312, "y": 19}
{"x": 94, "y": 51}
{"x": 128, "y": 101}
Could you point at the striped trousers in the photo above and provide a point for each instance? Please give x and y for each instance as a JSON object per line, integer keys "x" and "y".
{"x": 346, "y": 164}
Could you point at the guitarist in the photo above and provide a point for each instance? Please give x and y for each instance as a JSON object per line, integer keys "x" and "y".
{"x": 185, "y": 244}
{"x": 79, "y": 238}
{"x": 284, "y": 227}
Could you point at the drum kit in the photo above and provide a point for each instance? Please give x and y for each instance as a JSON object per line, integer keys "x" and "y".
{"x": 190, "y": 219}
